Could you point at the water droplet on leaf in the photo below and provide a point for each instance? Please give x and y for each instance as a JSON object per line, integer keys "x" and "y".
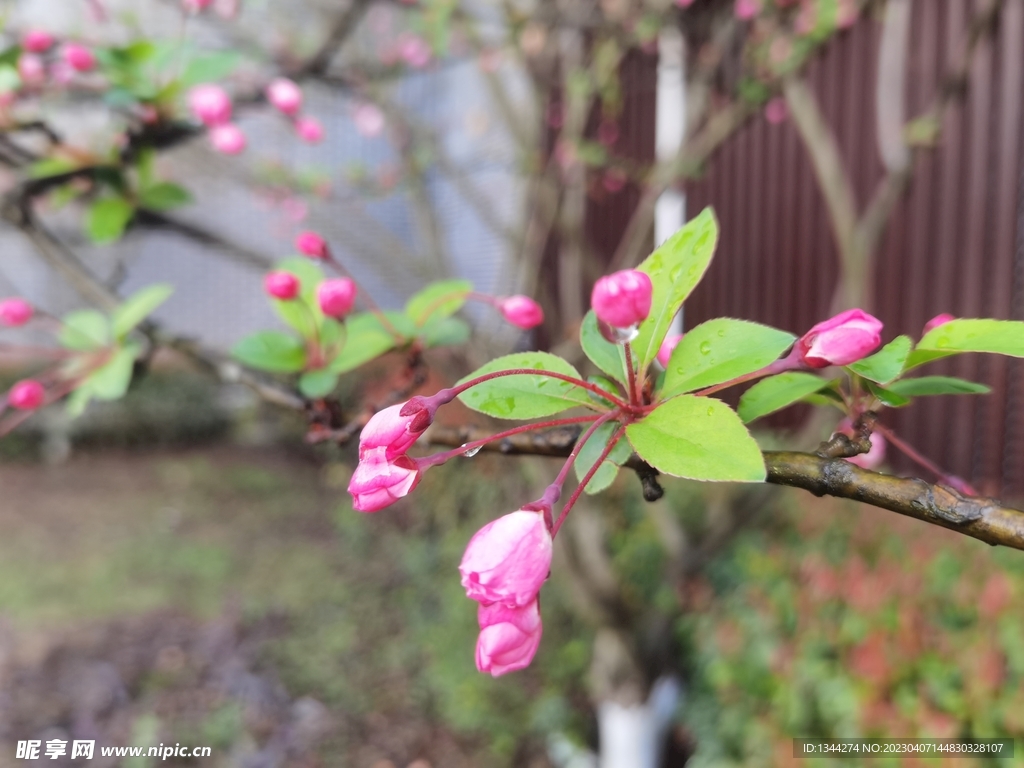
{"x": 705, "y": 347}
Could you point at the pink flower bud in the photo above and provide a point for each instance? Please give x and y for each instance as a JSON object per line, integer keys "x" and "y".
{"x": 311, "y": 244}
{"x": 210, "y": 104}
{"x": 936, "y": 321}
{"x": 509, "y": 637}
{"x": 281, "y": 285}
{"x": 336, "y": 297}
{"x": 31, "y": 69}
{"x": 378, "y": 482}
{"x": 80, "y": 58}
{"x": 668, "y": 347}
{"x": 26, "y": 395}
{"x": 508, "y": 559}
{"x": 622, "y": 299}
{"x": 369, "y": 120}
{"x": 15, "y": 312}
{"x": 396, "y": 433}
{"x": 309, "y": 130}
{"x": 872, "y": 459}
{"x": 227, "y": 139}
{"x": 840, "y": 340}
{"x": 522, "y": 311}
{"x": 37, "y": 41}
{"x": 284, "y": 95}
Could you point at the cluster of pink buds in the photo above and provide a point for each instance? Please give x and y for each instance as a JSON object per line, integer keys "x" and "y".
{"x": 211, "y": 105}
{"x": 40, "y": 57}
{"x": 286, "y": 97}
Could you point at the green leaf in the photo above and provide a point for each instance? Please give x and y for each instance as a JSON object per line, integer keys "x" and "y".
{"x": 138, "y": 307}
{"x": 999, "y": 337}
{"x": 886, "y": 396}
{"x": 608, "y": 386}
{"x": 720, "y": 350}
{"x": 54, "y": 166}
{"x": 111, "y": 381}
{"x": 437, "y": 301}
{"x": 610, "y": 466}
{"x": 85, "y": 330}
{"x": 271, "y": 351}
{"x": 448, "y": 332}
{"x": 107, "y": 218}
{"x": 209, "y": 67}
{"x": 525, "y": 396}
{"x": 887, "y": 363}
{"x": 297, "y": 314}
{"x": 164, "y": 196}
{"x": 610, "y": 358}
{"x": 700, "y": 438}
{"x": 777, "y": 392}
{"x": 366, "y": 338}
{"x": 78, "y": 400}
{"x": 675, "y": 269}
{"x": 937, "y": 385}
{"x": 317, "y": 384}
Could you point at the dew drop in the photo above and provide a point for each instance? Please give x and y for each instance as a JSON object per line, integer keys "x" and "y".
{"x": 705, "y": 347}
{"x": 674, "y": 274}
{"x": 472, "y": 451}
{"x": 721, "y": 333}
{"x": 711, "y": 410}
{"x": 942, "y": 342}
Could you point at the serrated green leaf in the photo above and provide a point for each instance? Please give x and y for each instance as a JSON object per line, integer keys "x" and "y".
{"x": 886, "y": 396}
{"x": 608, "y": 386}
{"x": 609, "y": 468}
{"x": 365, "y": 339}
{"x": 438, "y": 301}
{"x": 887, "y": 363}
{"x": 700, "y": 438}
{"x": 720, "y": 350}
{"x": 111, "y": 381}
{"x": 608, "y": 357}
{"x": 138, "y": 307}
{"x": 448, "y": 332}
{"x": 999, "y": 337}
{"x": 164, "y": 196}
{"x": 525, "y": 396}
{"x": 675, "y": 268}
{"x": 777, "y": 392}
{"x": 84, "y": 330}
{"x": 107, "y": 218}
{"x": 271, "y": 351}
{"x": 937, "y": 385}
{"x": 317, "y": 384}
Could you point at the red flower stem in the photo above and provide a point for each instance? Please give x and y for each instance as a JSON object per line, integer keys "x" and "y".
{"x": 432, "y": 307}
{"x": 634, "y": 397}
{"x": 52, "y": 353}
{"x": 586, "y": 479}
{"x": 779, "y": 366}
{"x": 910, "y": 451}
{"x": 366, "y": 298}
{"x": 604, "y": 394}
{"x": 564, "y": 472}
{"x": 440, "y": 458}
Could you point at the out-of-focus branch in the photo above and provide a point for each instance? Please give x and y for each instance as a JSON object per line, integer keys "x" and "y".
{"x": 198, "y": 234}
{"x": 344, "y": 25}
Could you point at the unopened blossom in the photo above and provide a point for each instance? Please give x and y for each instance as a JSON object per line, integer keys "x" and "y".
{"x": 210, "y": 104}
{"x": 936, "y": 321}
{"x": 508, "y": 559}
{"x": 368, "y": 119}
{"x": 284, "y": 95}
{"x": 227, "y": 139}
{"x": 840, "y": 340}
{"x": 37, "y": 41}
{"x": 78, "y": 57}
{"x": 15, "y": 312}
{"x": 668, "y": 346}
{"x": 311, "y": 244}
{"x": 522, "y": 311}
{"x": 379, "y": 482}
{"x": 281, "y": 285}
{"x": 622, "y": 299}
{"x": 26, "y": 395}
{"x": 393, "y": 431}
{"x": 509, "y": 637}
{"x": 336, "y": 297}
{"x": 309, "y": 129}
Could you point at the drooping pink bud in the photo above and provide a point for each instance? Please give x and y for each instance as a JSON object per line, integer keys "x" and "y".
{"x": 509, "y": 637}
{"x": 227, "y": 139}
{"x": 281, "y": 285}
{"x": 210, "y": 104}
{"x": 378, "y": 482}
{"x": 311, "y": 244}
{"x": 394, "y": 432}
{"x": 336, "y": 297}
{"x": 368, "y": 119}
{"x": 26, "y": 395}
{"x": 668, "y": 346}
{"x": 840, "y": 340}
{"x": 508, "y": 559}
{"x": 37, "y": 41}
{"x": 78, "y": 57}
{"x": 31, "y": 69}
{"x": 622, "y": 299}
{"x": 15, "y": 312}
{"x": 936, "y": 321}
{"x": 873, "y": 458}
{"x": 522, "y": 311}
{"x": 309, "y": 129}
{"x": 284, "y": 95}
